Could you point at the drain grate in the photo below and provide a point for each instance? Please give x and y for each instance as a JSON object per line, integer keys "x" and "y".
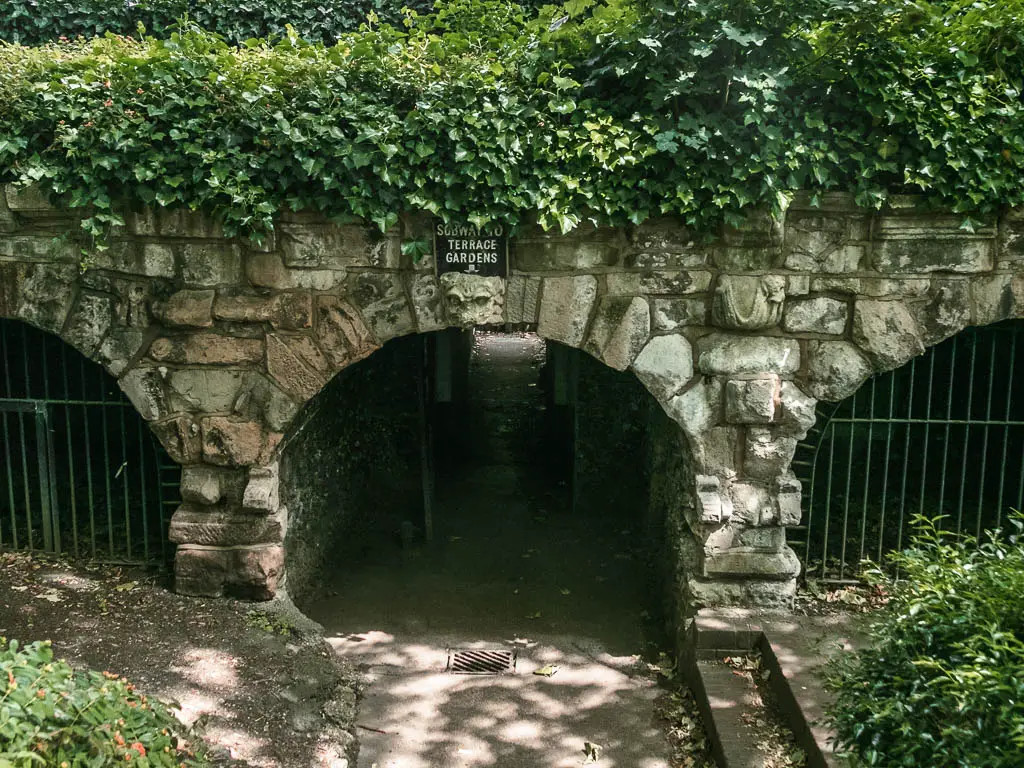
{"x": 481, "y": 662}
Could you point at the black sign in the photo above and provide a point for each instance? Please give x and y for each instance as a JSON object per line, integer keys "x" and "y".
{"x": 469, "y": 249}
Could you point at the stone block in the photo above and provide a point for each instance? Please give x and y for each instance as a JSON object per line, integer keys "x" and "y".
{"x": 186, "y": 309}
{"x": 202, "y": 484}
{"x": 916, "y": 243}
{"x": 996, "y": 297}
{"x": 748, "y": 302}
{"x": 262, "y": 492}
{"x": 289, "y": 310}
{"x": 90, "y": 319}
{"x": 180, "y": 437}
{"x": 671, "y": 314}
{"x": 27, "y": 199}
{"x": 621, "y": 328}
{"x": 207, "y": 265}
{"x": 251, "y": 572}
{"x": 788, "y": 495}
{"x": 798, "y": 410}
{"x": 768, "y": 454}
{"x": 522, "y": 299}
{"x": 752, "y": 504}
{"x": 145, "y": 388}
{"x": 383, "y": 304}
{"x": 120, "y": 346}
{"x": 331, "y": 246}
{"x": 713, "y": 505}
{"x": 39, "y": 294}
{"x": 817, "y": 315}
{"x": 207, "y": 348}
{"x": 798, "y": 285}
{"x": 565, "y": 306}
{"x": 696, "y": 410}
{"x": 297, "y": 365}
{"x": 665, "y": 365}
{"x": 261, "y": 399}
{"x": 38, "y": 248}
{"x": 825, "y": 243}
{"x": 341, "y": 332}
{"x": 267, "y": 270}
{"x": 752, "y": 563}
{"x": 204, "y": 390}
{"x": 225, "y": 528}
{"x": 724, "y": 354}
{"x": 536, "y": 252}
{"x": 231, "y": 443}
{"x": 134, "y": 258}
{"x": 752, "y": 401}
{"x": 428, "y": 303}
{"x": 658, "y": 283}
{"x": 887, "y": 332}
{"x": 948, "y": 310}
{"x": 835, "y": 369}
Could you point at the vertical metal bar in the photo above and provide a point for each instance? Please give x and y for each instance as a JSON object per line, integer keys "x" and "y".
{"x": 810, "y": 497}
{"x": 828, "y": 496}
{"x": 949, "y": 417}
{"x": 143, "y": 489}
{"x": 425, "y": 457}
{"x": 906, "y": 456}
{"x": 25, "y": 480}
{"x": 72, "y": 487}
{"x": 10, "y": 479}
{"x": 849, "y": 480}
{"x": 124, "y": 471}
{"x": 967, "y": 442}
{"x": 885, "y": 472}
{"x": 160, "y": 469}
{"x": 88, "y": 465}
{"x": 986, "y": 433}
{"x": 42, "y": 454}
{"x": 867, "y": 471}
{"x": 1006, "y": 427}
{"x": 106, "y": 472}
{"x": 927, "y": 433}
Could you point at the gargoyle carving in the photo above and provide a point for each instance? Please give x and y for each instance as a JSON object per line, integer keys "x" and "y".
{"x": 748, "y": 302}
{"x": 471, "y": 300}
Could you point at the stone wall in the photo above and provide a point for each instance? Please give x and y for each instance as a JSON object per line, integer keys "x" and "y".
{"x": 219, "y": 344}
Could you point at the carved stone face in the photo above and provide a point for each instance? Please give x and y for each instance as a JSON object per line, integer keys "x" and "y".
{"x": 471, "y": 300}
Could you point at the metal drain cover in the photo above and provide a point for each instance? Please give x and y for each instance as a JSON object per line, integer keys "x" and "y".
{"x": 481, "y": 662}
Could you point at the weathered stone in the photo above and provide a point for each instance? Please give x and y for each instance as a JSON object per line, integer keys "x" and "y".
{"x": 748, "y": 302}
{"x": 653, "y": 283}
{"x": 207, "y": 348}
{"x": 663, "y": 235}
{"x": 472, "y": 300}
{"x": 120, "y": 347}
{"x": 89, "y": 321}
{"x": 225, "y": 528}
{"x": 696, "y": 410}
{"x": 39, "y": 294}
{"x": 828, "y": 244}
{"x": 252, "y": 572}
{"x": 536, "y": 253}
{"x": 799, "y": 412}
{"x": 332, "y": 246}
{"x": 209, "y": 390}
{"x": 202, "y": 484}
{"x": 296, "y": 364}
{"x": 996, "y": 297}
{"x": 742, "y": 591}
{"x": 25, "y": 199}
{"x": 522, "y": 298}
{"x": 817, "y": 315}
{"x": 261, "y": 399}
{"x": 752, "y": 504}
{"x": 910, "y": 242}
{"x": 180, "y": 438}
{"x": 875, "y": 287}
{"x": 788, "y": 496}
{"x": 427, "y": 303}
{"x": 207, "y": 265}
{"x": 751, "y": 563}
{"x": 713, "y": 506}
{"x": 144, "y": 387}
{"x": 262, "y": 492}
{"x": 752, "y": 402}
{"x": 835, "y": 369}
{"x": 186, "y": 309}
{"x": 948, "y": 311}
{"x": 382, "y": 303}
{"x": 887, "y": 332}
{"x": 228, "y": 443}
{"x": 717, "y": 451}
{"x": 134, "y": 258}
{"x": 670, "y": 314}
{"x": 38, "y": 248}
{"x": 620, "y": 329}
{"x": 727, "y": 354}
{"x": 267, "y": 270}
{"x": 798, "y": 285}
{"x": 768, "y": 453}
{"x": 565, "y": 307}
{"x": 665, "y": 365}
{"x": 288, "y": 311}
{"x": 341, "y": 331}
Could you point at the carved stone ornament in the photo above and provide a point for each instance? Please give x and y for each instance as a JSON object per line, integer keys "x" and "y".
{"x": 470, "y": 300}
{"x": 748, "y": 302}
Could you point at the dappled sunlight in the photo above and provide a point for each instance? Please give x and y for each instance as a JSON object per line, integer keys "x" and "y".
{"x": 209, "y": 667}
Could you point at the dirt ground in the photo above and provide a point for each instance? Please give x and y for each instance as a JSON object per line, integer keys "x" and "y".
{"x": 258, "y": 681}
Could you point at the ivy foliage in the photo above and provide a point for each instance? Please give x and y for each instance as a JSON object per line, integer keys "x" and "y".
{"x": 53, "y": 716}
{"x": 610, "y": 110}
{"x": 942, "y": 682}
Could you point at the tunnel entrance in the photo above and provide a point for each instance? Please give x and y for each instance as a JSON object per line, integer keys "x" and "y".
{"x": 480, "y": 484}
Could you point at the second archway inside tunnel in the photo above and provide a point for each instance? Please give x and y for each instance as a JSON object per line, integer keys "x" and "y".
{"x": 477, "y": 484}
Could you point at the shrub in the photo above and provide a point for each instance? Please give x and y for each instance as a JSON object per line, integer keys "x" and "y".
{"x": 942, "y": 682}
{"x": 53, "y": 715}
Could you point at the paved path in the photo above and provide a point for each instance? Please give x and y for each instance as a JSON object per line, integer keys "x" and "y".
{"x": 509, "y": 567}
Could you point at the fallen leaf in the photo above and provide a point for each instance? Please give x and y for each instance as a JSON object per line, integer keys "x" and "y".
{"x": 547, "y": 670}
{"x": 591, "y": 752}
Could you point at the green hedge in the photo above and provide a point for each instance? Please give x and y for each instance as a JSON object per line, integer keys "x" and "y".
{"x": 35, "y": 22}
{"x": 629, "y": 109}
{"x": 56, "y": 717}
{"x": 942, "y": 682}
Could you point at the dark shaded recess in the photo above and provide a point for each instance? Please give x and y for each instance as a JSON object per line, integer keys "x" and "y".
{"x": 350, "y": 468}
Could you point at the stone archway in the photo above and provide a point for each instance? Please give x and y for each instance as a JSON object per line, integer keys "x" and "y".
{"x": 219, "y": 343}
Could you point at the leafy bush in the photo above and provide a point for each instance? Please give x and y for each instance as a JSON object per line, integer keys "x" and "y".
{"x": 628, "y": 109}
{"x": 52, "y": 715}
{"x": 942, "y": 682}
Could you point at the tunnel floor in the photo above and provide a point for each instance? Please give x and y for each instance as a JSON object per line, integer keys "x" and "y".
{"x": 511, "y": 565}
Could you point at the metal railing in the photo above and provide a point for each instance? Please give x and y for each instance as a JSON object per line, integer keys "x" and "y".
{"x": 80, "y": 472}
{"x": 944, "y": 435}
